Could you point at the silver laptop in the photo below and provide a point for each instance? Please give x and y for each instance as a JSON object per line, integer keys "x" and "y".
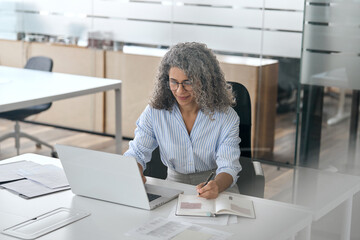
{"x": 110, "y": 177}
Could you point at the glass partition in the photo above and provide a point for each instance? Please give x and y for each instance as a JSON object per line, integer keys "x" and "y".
{"x": 330, "y": 83}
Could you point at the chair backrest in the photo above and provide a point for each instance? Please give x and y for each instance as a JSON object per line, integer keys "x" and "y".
{"x": 243, "y": 109}
{"x": 34, "y": 63}
{"x": 40, "y": 63}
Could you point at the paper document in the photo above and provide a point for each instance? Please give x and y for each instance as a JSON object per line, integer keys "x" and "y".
{"x": 29, "y": 189}
{"x": 8, "y": 171}
{"x": 164, "y": 229}
{"x": 48, "y": 175}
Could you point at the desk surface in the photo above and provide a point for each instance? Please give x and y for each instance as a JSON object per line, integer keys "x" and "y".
{"x": 319, "y": 191}
{"x": 111, "y": 221}
{"x": 21, "y": 88}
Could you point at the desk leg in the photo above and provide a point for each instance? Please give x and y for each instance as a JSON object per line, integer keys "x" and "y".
{"x": 307, "y": 232}
{"x": 118, "y": 136}
{"x": 353, "y": 127}
{"x": 346, "y": 227}
{"x": 304, "y": 234}
{"x": 311, "y": 124}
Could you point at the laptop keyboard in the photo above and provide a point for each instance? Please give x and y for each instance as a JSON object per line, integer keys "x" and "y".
{"x": 152, "y": 196}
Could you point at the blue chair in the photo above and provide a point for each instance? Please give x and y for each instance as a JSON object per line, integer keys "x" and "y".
{"x": 34, "y": 63}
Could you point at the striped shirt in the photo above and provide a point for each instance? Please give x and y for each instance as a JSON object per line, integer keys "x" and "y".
{"x": 212, "y": 143}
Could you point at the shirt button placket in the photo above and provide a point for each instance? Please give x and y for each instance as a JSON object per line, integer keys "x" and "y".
{"x": 191, "y": 162}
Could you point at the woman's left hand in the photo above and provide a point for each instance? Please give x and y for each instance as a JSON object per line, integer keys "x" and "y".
{"x": 210, "y": 191}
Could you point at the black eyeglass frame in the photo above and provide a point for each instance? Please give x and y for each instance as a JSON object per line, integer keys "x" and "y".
{"x": 185, "y": 84}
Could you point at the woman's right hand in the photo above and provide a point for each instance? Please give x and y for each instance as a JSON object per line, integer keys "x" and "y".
{"x": 142, "y": 172}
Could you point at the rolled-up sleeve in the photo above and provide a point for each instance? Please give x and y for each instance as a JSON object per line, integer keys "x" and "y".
{"x": 144, "y": 142}
{"x": 228, "y": 154}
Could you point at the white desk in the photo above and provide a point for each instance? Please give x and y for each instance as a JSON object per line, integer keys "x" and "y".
{"x": 20, "y": 88}
{"x": 108, "y": 221}
{"x": 321, "y": 192}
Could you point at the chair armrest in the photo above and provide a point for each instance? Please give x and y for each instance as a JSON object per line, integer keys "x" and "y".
{"x": 251, "y": 179}
{"x": 258, "y": 169}
{"x": 259, "y": 180}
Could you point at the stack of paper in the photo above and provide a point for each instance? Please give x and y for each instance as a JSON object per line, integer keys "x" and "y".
{"x": 30, "y": 180}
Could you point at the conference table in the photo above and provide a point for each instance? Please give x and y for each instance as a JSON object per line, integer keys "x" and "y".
{"x": 20, "y": 88}
{"x": 274, "y": 220}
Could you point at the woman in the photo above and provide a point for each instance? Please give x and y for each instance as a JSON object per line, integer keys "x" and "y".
{"x": 190, "y": 118}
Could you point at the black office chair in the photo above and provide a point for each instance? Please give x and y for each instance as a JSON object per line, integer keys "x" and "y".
{"x": 34, "y": 63}
{"x": 251, "y": 179}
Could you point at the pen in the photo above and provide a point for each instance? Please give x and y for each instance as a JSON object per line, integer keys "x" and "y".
{"x": 208, "y": 179}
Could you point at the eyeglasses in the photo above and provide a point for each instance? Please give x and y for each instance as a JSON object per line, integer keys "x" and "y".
{"x": 174, "y": 85}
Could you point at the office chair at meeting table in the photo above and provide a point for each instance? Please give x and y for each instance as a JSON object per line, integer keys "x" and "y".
{"x": 34, "y": 63}
{"x": 251, "y": 179}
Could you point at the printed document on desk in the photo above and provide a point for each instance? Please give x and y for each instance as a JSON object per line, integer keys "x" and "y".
{"x": 29, "y": 189}
{"x": 40, "y": 180}
{"x": 48, "y": 175}
{"x": 164, "y": 229}
{"x": 9, "y": 171}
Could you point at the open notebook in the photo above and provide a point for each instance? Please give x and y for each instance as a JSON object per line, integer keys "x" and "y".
{"x": 193, "y": 205}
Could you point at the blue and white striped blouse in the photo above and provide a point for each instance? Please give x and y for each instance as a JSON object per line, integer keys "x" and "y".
{"x": 211, "y": 143}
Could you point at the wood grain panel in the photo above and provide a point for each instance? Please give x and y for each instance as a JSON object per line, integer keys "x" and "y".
{"x": 137, "y": 74}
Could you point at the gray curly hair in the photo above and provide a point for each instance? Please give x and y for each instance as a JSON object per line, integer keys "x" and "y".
{"x": 200, "y": 65}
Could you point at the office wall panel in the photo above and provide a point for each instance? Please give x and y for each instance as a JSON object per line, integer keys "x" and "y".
{"x": 56, "y": 25}
{"x": 224, "y": 39}
{"x": 10, "y": 21}
{"x": 285, "y": 4}
{"x": 286, "y": 44}
{"x": 345, "y": 13}
{"x": 135, "y": 31}
{"x": 63, "y": 6}
{"x": 12, "y": 53}
{"x": 216, "y": 2}
{"x": 328, "y": 1}
{"x": 283, "y": 20}
{"x": 331, "y": 70}
{"x": 331, "y": 47}
{"x": 133, "y": 10}
{"x": 238, "y": 17}
{"x": 332, "y": 38}
{"x": 137, "y": 73}
{"x": 272, "y": 4}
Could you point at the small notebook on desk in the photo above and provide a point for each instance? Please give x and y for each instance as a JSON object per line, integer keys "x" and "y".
{"x": 193, "y": 205}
